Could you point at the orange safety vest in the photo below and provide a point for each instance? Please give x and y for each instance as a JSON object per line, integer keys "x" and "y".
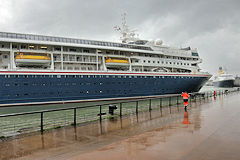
{"x": 185, "y": 95}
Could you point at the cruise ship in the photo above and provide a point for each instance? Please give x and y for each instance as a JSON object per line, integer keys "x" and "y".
{"x": 223, "y": 79}
{"x": 38, "y": 69}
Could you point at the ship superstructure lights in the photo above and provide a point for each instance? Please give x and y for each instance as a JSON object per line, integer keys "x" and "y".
{"x": 43, "y": 47}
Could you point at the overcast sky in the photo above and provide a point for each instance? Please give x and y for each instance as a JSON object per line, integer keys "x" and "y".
{"x": 212, "y": 26}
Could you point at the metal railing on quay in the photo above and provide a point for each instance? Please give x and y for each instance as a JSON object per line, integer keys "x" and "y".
{"x": 26, "y": 122}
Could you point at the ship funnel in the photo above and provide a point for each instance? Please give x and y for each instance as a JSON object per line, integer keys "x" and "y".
{"x": 220, "y": 71}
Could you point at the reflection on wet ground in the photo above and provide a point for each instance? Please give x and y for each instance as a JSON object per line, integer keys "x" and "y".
{"x": 208, "y": 130}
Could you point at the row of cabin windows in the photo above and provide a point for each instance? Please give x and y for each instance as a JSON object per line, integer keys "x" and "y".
{"x": 168, "y": 57}
{"x": 87, "y": 76}
{"x": 66, "y": 84}
{"x": 79, "y": 68}
{"x": 67, "y": 92}
{"x": 178, "y": 63}
{"x": 75, "y": 84}
{"x": 75, "y": 92}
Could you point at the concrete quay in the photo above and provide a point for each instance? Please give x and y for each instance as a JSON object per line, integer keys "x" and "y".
{"x": 209, "y": 130}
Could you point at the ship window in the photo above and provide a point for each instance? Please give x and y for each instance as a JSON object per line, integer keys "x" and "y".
{"x": 194, "y": 54}
{"x": 148, "y": 61}
{"x": 170, "y": 62}
{"x": 57, "y": 49}
{"x": 85, "y": 51}
{"x": 14, "y": 46}
{"x": 16, "y": 76}
{"x": 144, "y": 61}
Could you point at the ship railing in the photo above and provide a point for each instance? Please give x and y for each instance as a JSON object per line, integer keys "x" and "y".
{"x": 39, "y": 121}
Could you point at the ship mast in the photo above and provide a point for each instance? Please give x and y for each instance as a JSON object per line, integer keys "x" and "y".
{"x": 127, "y": 34}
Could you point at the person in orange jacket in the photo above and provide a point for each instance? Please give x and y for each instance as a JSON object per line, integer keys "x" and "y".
{"x": 185, "y": 96}
{"x": 214, "y": 93}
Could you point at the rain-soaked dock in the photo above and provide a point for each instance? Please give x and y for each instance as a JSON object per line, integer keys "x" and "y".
{"x": 209, "y": 130}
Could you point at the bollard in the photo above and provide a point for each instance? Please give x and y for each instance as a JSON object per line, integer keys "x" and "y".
{"x": 111, "y": 109}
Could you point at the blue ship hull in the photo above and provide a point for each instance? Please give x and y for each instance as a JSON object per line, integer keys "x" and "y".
{"x": 38, "y": 87}
{"x": 224, "y": 83}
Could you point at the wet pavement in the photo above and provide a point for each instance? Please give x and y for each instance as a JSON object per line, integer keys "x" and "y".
{"x": 209, "y": 130}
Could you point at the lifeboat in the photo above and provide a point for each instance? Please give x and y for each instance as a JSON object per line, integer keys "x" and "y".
{"x": 31, "y": 59}
{"x": 112, "y": 61}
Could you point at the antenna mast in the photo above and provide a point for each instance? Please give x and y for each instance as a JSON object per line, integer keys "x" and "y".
{"x": 127, "y": 34}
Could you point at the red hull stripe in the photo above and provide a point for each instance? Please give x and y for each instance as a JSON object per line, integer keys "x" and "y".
{"x": 101, "y": 73}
